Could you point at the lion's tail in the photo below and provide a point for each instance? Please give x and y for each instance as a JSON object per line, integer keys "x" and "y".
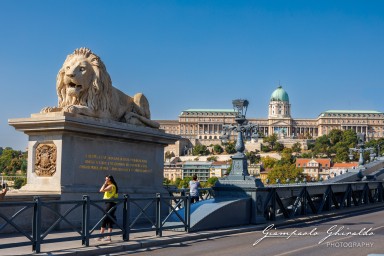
{"x": 143, "y": 103}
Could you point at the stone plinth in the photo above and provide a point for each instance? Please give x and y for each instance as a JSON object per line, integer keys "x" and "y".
{"x": 71, "y": 155}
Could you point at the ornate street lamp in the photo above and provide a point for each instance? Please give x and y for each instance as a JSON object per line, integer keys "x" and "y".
{"x": 360, "y": 148}
{"x": 245, "y": 131}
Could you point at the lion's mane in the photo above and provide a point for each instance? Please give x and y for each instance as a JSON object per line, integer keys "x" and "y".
{"x": 97, "y": 95}
{"x": 84, "y": 87}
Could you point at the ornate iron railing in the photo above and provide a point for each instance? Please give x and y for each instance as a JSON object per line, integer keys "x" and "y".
{"x": 132, "y": 210}
{"x": 138, "y": 214}
{"x": 298, "y": 200}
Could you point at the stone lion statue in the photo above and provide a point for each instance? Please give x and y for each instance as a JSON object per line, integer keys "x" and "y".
{"x": 84, "y": 87}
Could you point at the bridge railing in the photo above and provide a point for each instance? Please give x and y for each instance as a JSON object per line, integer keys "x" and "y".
{"x": 204, "y": 193}
{"x": 158, "y": 213}
{"x": 292, "y": 201}
{"x": 48, "y": 216}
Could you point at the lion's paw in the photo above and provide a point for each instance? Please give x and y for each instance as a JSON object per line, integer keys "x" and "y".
{"x": 50, "y": 109}
{"x": 70, "y": 109}
{"x": 46, "y": 110}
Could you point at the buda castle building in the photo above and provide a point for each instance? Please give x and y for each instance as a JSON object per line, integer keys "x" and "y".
{"x": 204, "y": 126}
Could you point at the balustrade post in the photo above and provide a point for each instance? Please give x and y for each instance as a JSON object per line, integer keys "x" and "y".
{"x": 273, "y": 205}
{"x": 159, "y": 231}
{"x": 126, "y": 223}
{"x": 380, "y": 192}
{"x": 187, "y": 213}
{"x": 85, "y": 221}
{"x": 36, "y": 225}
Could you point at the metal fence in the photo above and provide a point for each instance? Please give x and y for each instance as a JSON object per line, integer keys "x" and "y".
{"x": 204, "y": 193}
{"x": 37, "y": 230}
{"x": 158, "y": 213}
{"x": 292, "y": 201}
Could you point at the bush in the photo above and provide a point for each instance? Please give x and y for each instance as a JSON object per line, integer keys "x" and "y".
{"x": 19, "y": 182}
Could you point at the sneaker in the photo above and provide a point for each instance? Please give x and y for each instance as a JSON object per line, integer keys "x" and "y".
{"x": 99, "y": 239}
{"x": 107, "y": 239}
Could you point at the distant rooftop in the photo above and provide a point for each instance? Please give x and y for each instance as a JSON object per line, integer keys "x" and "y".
{"x": 208, "y": 110}
{"x": 353, "y": 111}
{"x": 196, "y": 163}
{"x": 350, "y": 113}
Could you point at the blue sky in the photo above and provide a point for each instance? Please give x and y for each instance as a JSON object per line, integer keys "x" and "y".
{"x": 197, "y": 54}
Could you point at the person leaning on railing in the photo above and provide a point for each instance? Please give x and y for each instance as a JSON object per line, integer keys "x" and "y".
{"x": 194, "y": 186}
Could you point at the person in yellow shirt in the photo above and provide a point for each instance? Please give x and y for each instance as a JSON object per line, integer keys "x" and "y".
{"x": 110, "y": 190}
{"x": 4, "y": 189}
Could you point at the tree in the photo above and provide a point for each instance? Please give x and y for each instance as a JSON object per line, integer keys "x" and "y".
{"x": 218, "y": 149}
{"x": 321, "y": 146}
{"x": 252, "y": 157}
{"x": 335, "y": 136}
{"x": 9, "y": 160}
{"x": 286, "y": 156}
{"x": 284, "y": 172}
{"x": 169, "y": 155}
{"x": 200, "y": 150}
{"x": 306, "y": 155}
{"x": 342, "y": 155}
{"x": 271, "y": 140}
{"x": 15, "y": 165}
{"x": 211, "y": 181}
{"x": 265, "y": 148}
{"x": 350, "y": 138}
{"x": 212, "y": 158}
{"x": 184, "y": 183}
{"x": 268, "y": 162}
{"x": 279, "y": 146}
{"x": 19, "y": 182}
{"x": 177, "y": 182}
{"x": 296, "y": 148}
{"x": 229, "y": 169}
{"x": 24, "y": 165}
{"x": 230, "y": 148}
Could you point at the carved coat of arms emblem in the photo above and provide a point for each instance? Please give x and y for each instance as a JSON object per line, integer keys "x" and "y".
{"x": 45, "y": 160}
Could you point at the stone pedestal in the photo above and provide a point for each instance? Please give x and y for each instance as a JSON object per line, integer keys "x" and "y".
{"x": 239, "y": 184}
{"x": 243, "y": 187}
{"x": 71, "y": 155}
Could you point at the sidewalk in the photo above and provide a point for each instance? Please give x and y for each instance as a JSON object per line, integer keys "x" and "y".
{"x": 148, "y": 239}
{"x": 137, "y": 241}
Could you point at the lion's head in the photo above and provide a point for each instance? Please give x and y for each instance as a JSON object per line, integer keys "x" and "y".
{"x": 83, "y": 80}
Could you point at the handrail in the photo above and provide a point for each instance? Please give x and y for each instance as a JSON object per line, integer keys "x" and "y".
{"x": 36, "y": 235}
{"x": 314, "y": 200}
{"x": 283, "y": 201}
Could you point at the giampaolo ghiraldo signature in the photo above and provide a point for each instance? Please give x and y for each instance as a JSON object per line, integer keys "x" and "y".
{"x": 334, "y": 231}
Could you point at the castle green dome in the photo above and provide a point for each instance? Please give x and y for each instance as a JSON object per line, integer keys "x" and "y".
{"x": 279, "y": 95}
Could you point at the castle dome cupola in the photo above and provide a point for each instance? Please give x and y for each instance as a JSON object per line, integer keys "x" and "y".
{"x": 279, "y": 95}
